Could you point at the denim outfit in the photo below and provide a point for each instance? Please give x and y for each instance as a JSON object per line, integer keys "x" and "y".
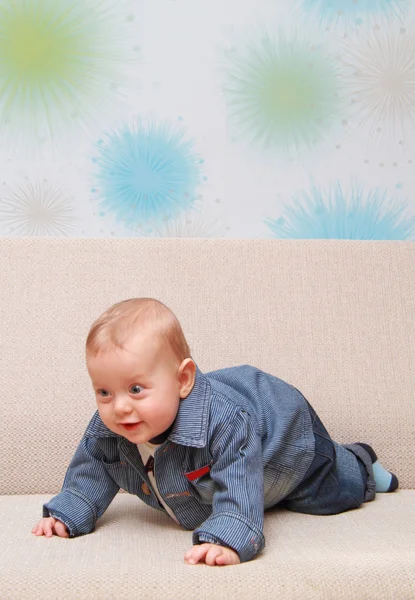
{"x": 335, "y": 481}
{"x": 242, "y": 441}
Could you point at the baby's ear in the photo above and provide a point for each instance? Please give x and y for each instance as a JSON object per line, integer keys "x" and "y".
{"x": 186, "y": 376}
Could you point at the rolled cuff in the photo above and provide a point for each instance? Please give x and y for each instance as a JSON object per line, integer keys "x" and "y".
{"x": 361, "y": 454}
{"x": 74, "y": 510}
{"x": 232, "y": 530}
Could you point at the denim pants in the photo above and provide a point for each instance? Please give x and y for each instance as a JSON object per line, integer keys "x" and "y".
{"x": 339, "y": 478}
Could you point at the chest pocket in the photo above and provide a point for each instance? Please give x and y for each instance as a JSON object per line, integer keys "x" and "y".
{"x": 277, "y": 480}
{"x": 119, "y": 473}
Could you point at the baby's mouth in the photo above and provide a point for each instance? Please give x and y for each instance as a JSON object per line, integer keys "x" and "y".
{"x": 130, "y": 426}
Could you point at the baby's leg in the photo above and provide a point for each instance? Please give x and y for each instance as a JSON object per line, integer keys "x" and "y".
{"x": 335, "y": 482}
{"x": 340, "y": 478}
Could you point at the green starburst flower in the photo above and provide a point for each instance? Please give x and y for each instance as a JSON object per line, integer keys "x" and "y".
{"x": 282, "y": 92}
{"x": 59, "y": 62}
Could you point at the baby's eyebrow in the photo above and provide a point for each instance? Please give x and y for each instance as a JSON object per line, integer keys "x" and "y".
{"x": 134, "y": 378}
{"x": 96, "y": 383}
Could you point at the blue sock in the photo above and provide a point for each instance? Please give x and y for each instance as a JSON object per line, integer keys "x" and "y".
{"x": 385, "y": 480}
{"x": 383, "y": 477}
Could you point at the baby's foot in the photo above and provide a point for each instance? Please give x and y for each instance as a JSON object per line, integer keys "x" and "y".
{"x": 385, "y": 480}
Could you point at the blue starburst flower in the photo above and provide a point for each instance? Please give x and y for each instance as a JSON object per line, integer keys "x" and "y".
{"x": 339, "y": 214}
{"x": 334, "y": 10}
{"x": 147, "y": 172}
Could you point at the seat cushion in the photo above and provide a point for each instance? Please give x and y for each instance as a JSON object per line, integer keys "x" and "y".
{"x": 137, "y": 552}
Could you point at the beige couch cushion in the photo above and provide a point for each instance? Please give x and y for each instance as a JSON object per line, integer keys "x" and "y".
{"x": 136, "y": 552}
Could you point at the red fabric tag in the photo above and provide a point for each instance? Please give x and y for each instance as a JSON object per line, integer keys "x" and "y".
{"x": 198, "y": 473}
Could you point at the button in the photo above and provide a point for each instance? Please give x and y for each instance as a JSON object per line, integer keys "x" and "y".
{"x": 145, "y": 489}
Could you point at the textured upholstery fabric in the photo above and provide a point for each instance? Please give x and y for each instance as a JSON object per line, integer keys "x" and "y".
{"x": 335, "y": 318}
{"x": 136, "y": 552}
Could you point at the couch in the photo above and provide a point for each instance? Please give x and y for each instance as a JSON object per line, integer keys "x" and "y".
{"x": 335, "y": 318}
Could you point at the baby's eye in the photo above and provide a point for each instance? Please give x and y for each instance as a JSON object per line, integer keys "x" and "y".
{"x": 103, "y": 393}
{"x": 135, "y": 389}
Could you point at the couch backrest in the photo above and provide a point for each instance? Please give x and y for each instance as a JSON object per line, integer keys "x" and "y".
{"x": 335, "y": 318}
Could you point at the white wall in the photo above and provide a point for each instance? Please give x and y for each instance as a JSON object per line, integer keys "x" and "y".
{"x": 208, "y": 118}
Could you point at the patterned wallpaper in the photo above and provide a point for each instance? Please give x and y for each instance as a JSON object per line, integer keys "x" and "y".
{"x": 208, "y": 118}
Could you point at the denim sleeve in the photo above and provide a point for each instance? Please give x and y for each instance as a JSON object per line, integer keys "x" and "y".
{"x": 87, "y": 490}
{"x": 238, "y": 504}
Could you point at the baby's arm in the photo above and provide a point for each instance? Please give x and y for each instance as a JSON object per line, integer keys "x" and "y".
{"x": 49, "y": 526}
{"x": 236, "y": 522}
{"x": 87, "y": 491}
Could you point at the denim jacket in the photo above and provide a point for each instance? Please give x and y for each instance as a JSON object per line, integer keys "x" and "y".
{"x": 242, "y": 440}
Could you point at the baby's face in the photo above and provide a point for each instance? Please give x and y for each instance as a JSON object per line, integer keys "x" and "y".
{"x": 136, "y": 390}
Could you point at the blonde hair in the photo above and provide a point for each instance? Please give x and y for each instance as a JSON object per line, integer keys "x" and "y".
{"x": 124, "y": 319}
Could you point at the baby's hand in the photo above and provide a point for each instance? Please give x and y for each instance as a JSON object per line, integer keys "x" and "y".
{"x": 212, "y": 555}
{"x": 49, "y": 526}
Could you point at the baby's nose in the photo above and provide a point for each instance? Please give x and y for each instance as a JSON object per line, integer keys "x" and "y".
{"x": 122, "y": 404}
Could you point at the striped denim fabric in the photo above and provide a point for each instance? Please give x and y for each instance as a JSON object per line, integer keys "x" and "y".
{"x": 241, "y": 442}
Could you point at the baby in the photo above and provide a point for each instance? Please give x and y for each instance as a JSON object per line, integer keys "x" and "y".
{"x": 211, "y": 450}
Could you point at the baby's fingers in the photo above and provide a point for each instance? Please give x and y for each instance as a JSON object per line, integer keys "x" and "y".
{"x": 48, "y": 526}
{"x": 41, "y": 527}
{"x": 196, "y": 553}
{"x": 222, "y": 560}
{"x": 60, "y": 529}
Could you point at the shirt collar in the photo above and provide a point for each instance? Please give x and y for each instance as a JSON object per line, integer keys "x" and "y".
{"x": 191, "y": 424}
